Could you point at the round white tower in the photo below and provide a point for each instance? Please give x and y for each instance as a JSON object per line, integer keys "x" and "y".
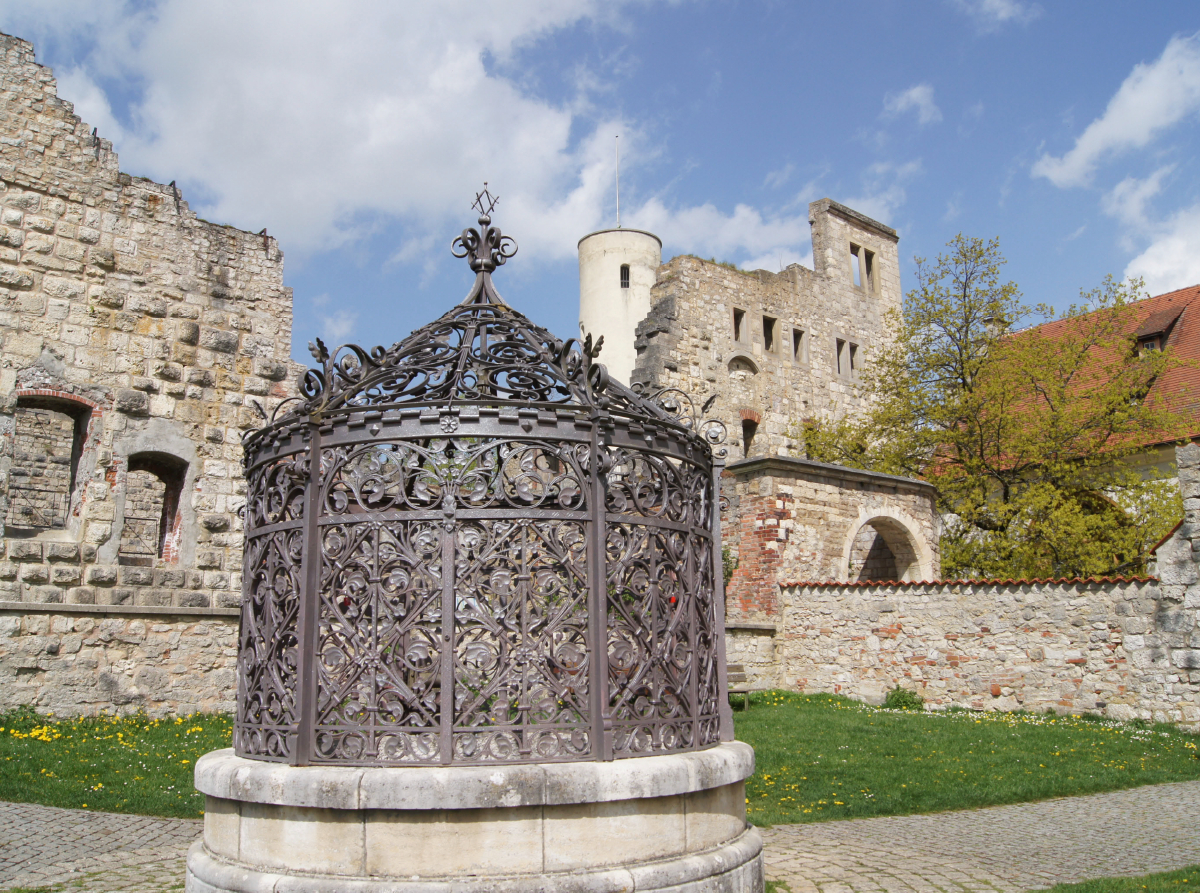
{"x": 617, "y": 269}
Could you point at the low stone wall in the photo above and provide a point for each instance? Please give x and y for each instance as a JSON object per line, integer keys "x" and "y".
{"x": 1122, "y": 648}
{"x": 80, "y": 660}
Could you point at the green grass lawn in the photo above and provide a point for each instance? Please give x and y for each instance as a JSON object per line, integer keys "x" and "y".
{"x": 822, "y": 757}
{"x": 1182, "y": 881}
{"x": 130, "y": 764}
{"x": 819, "y": 758}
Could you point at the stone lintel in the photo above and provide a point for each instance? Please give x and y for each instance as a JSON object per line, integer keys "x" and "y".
{"x": 793, "y": 465}
{"x": 144, "y": 610}
{"x": 852, "y": 216}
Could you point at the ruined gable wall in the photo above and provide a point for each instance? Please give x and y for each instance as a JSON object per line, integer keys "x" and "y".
{"x": 163, "y": 330}
{"x": 688, "y": 340}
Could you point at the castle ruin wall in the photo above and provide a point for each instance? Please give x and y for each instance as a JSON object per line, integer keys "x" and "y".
{"x": 137, "y": 344}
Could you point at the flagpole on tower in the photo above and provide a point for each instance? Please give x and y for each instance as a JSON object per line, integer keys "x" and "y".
{"x": 617, "y": 147}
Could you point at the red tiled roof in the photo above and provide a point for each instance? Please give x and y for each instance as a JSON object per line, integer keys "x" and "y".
{"x": 1059, "y": 581}
{"x": 1178, "y": 314}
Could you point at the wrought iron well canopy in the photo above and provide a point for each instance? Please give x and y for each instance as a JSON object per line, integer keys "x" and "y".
{"x": 473, "y": 548}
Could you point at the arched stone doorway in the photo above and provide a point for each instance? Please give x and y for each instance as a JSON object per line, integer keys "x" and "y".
{"x": 884, "y": 548}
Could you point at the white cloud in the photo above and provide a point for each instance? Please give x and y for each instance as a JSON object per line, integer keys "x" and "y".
{"x": 1127, "y": 200}
{"x": 884, "y": 190}
{"x": 90, "y": 103}
{"x": 324, "y": 122}
{"x": 991, "y": 15}
{"x": 775, "y": 179}
{"x": 708, "y": 232}
{"x": 1155, "y": 96}
{"x": 1173, "y": 259}
{"x": 918, "y": 98}
{"x": 337, "y": 326}
{"x": 775, "y": 263}
{"x": 327, "y": 122}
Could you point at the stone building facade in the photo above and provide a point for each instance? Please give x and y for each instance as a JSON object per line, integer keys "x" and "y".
{"x": 763, "y": 352}
{"x": 137, "y": 343}
{"x": 774, "y": 348}
{"x": 792, "y": 519}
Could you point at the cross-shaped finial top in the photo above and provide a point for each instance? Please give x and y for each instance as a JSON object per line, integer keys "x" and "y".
{"x": 483, "y": 199}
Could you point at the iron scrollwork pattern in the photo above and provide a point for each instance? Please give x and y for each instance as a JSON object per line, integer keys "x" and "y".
{"x": 472, "y": 547}
{"x": 267, "y": 721}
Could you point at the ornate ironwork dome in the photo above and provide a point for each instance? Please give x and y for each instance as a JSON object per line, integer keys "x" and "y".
{"x": 473, "y": 548}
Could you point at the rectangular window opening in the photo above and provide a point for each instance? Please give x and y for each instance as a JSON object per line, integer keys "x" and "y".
{"x": 47, "y": 443}
{"x": 798, "y": 345}
{"x": 749, "y": 429}
{"x": 856, "y": 265}
{"x": 739, "y": 320}
{"x": 869, "y": 264}
{"x": 150, "y": 528}
{"x": 853, "y": 352}
{"x": 840, "y": 349}
{"x": 768, "y": 333}
{"x": 624, "y": 275}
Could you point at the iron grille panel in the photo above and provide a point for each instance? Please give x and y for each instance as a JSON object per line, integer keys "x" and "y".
{"x": 472, "y": 548}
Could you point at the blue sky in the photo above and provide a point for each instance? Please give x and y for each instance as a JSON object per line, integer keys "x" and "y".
{"x": 357, "y": 133}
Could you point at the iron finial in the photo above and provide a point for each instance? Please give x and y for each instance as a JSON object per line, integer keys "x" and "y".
{"x": 485, "y": 198}
{"x": 485, "y": 248}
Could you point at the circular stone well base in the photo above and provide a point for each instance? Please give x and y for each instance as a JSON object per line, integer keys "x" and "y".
{"x": 675, "y": 822}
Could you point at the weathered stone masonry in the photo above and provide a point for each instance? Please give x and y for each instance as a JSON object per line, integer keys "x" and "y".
{"x": 795, "y": 519}
{"x": 774, "y": 348}
{"x": 137, "y": 343}
{"x": 1122, "y": 648}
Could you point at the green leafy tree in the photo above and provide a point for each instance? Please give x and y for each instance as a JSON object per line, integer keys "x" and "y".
{"x": 1027, "y": 435}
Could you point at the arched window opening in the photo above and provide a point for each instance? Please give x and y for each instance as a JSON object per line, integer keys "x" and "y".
{"x": 741, "y": 367}
{"x": 624, "y": 275}
{"x": 150, "y": 528}
{"x": 883, "y": 550}
{"x": 48, "y": 437}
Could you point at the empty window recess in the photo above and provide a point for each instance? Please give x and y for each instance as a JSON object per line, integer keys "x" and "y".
{"x": 624, "y": 275}
{"x": 768, "y": 333}
{"x": 862, "y": 268}
{"x": 847, "y": 358}
{"x": 749, "y": 429}
{"x": 798, "y": 346}
{"x": 739, "y": 324}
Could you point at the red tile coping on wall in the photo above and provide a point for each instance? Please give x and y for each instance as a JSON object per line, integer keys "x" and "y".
{"x": 1154, "y": 549}
{"x": 867, "y": 584}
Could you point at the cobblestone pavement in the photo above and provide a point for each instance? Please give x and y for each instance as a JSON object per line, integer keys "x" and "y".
{"x": 92, "y": 852}
{"x": 1004, "y": 848}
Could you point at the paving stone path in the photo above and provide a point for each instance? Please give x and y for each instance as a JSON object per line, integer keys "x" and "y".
{"x": 1004, "y": 848}
{"x": 91, "y": 852}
